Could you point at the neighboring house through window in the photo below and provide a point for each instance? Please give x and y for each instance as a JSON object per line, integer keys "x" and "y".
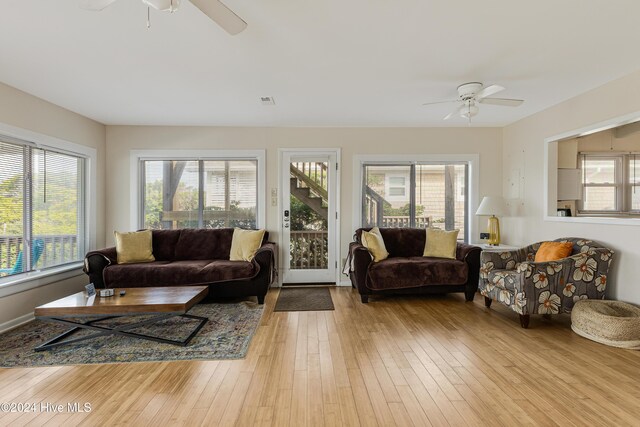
{"x": 610, "y": 184}
{"x": 416, "y": 194}
{"x": 396, "y": 187}
{"x": 199, "y": 192}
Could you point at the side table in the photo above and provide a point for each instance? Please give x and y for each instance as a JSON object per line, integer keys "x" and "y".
{"x": 499, "y": 248}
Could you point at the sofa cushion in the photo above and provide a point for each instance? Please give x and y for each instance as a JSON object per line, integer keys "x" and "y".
{"x": 202, "y": 244}
{"x": 441, "y": 243}
{"x": 373, "y": 241}
{"x": 553, "y": 251}
{"x": 416, "y": 271}
{"x": 134, "y": 246}
{"x": 165, "y": 273}
{"x": 164, "y": 244}
{"x": 245, "y": 244}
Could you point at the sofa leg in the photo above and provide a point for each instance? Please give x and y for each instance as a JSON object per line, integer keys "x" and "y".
{"x": 468, "y": 296}
{"x": 260, "y": 299}
{"x": 364, "y": 298}
{"x": 524, "y": 320}
{"x": 487, "y": 302}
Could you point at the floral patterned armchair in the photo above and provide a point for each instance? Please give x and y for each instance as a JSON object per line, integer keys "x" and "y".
{"x": 528, "y": 287}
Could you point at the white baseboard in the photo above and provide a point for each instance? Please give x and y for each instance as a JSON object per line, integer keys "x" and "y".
{"x": 14, "y": 323}
{"x": 344, "y": 282}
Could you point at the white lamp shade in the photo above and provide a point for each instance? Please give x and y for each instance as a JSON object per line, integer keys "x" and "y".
{"x": 491, "y": 205}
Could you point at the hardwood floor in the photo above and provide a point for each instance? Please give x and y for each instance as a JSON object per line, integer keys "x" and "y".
{"x": 396, "y": 361}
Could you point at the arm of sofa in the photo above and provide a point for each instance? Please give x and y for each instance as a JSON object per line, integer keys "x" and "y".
{"x": 361, "y": 260}
{"x": 463, "y": 250}
{"x": 96, "y": 261}
{"x": 470, "y": 254}
{"x": 266, "y": 259}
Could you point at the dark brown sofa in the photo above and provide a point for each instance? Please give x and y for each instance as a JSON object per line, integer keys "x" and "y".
{"x": 406, "y": 271}
{"x": 188, "y": 257}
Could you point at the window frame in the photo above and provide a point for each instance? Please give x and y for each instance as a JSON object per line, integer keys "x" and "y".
{"x": 623, "y": 185}
{"x": 406, "y": 186}
{"x": 137, "y": 173}
{"x": 25, "y": 281}
{"x": 472, "y": 188}
{"x": 628, "y": 188}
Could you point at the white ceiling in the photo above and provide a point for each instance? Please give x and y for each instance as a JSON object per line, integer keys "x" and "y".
{"x": 326, "y": 63}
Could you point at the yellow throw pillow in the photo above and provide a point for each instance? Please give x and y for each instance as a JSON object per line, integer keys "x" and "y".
{"x": 245, "y": 244}
{"x": 553, "y": 251}
{"x": 441, "y": 243}
{"x": 372, "y": 240}
{"x": 134, "y": 246}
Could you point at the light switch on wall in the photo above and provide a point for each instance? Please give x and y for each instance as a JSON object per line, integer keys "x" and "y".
{"x": 274, "y": 197}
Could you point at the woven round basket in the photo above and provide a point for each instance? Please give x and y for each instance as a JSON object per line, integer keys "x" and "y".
{"x": 613, "y": 323}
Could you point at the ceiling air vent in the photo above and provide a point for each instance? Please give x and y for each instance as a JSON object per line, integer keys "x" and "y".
{"x": 267, "y": 100}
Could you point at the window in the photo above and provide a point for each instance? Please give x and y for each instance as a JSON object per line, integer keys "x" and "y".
{"x": 212, "y": 193}
{"x": 610, "y": 184}
{"x": 42, "y": 213}
{"x": 416, "y": 195}
{"x": 396, "y": 187}
{"x": 633, "y": 163}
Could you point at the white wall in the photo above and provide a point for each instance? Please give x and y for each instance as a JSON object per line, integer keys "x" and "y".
{"x": 523, "y": 150}
{"x": 122, "y": 139}
{"x": 19, "y": 109}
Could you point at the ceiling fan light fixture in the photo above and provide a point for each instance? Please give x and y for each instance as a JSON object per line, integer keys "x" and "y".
{"x": 163, "y": 5}
{"x": 469, "y": 111}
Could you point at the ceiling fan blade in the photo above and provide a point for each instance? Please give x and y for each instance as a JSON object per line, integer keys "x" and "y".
{"x": 502, "y": 101}
{"x": 94, "y": 5}
{"x": 454, "y": 112}
{"x": 441, "y": 102}
{"x": 221, "y": 15}
{"x": 488, "y": 91}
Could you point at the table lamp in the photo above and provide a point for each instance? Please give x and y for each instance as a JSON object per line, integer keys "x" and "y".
{"x": 492, "y": 205}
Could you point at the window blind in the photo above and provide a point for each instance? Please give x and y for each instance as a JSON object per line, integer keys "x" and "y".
{"x": 42, "y": 215}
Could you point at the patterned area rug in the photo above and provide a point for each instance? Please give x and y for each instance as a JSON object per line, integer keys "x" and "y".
{"x": 226, "y": 335}
{"x": 304, "y": 299}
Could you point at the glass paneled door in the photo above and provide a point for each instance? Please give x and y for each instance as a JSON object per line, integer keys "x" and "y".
{"x": 309, "y": 217}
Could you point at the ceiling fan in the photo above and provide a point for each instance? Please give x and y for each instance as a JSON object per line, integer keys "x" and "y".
{"x": 474, "y": 93}
{"x": 214, "y": 9}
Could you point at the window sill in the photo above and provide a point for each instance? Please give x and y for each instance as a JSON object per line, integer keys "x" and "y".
{"x": 594, "y": 220}
{"x": 35, "y": 279}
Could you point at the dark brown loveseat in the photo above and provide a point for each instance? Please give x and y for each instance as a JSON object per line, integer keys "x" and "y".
{"x": 407, "y": 271}
{"x": 188, "y": 257}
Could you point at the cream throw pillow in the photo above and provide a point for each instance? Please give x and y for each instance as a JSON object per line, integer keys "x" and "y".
{"x": 372, "y": 240}
{"x": 440, "y": 243}
{"x": 245, "y": 244}
{"x": 134, "y": 247}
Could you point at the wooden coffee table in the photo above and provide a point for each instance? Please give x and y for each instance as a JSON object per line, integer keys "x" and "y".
{"x": 158, "y": 303}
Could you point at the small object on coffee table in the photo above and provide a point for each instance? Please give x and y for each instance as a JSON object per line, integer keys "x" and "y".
{"x": 156, "y": 303}
{"x": 106, "y": 292}
{"x": 91, "y": 289}
{"x": 122, "y": 292}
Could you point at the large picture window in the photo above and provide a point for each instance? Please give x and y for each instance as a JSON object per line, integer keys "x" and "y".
{"x": 409, "y": 194}
{"x": 212, "y": 193}
{"x": 42, "y": 213}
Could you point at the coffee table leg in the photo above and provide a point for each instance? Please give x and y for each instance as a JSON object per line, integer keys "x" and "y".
{"x": 57, "y": 341}
{"x": 118, "y": 330}
{"x": 183, "y": 343}
{"x": 202, "y": 320}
